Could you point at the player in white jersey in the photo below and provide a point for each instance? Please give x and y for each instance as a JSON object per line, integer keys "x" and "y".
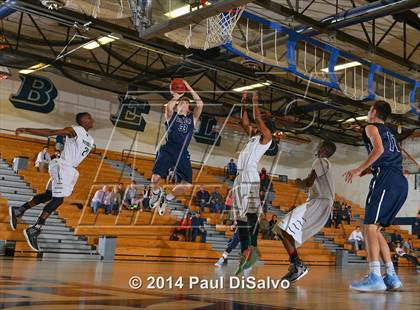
{"x": 308, "y": 219}
{"x": 246, "y": 187}
{"x": 63, "y": 175}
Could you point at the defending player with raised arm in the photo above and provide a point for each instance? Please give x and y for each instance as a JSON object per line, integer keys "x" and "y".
{"x": 180, "y": 123}
{"x": 388, "y": 191}
{"x": 246, "y": 187}
{"x": 63, "y": 175}
{"x": 308, "y": 219}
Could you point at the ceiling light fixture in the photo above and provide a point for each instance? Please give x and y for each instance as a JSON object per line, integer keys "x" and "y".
{"x": 344, "y": 66}
{"x": 250, "y": 87}
{"x": 101, "y": 41}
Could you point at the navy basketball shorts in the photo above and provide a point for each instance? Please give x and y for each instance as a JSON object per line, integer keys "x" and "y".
{"x": 387, "y": 194}
{"x": 166, "y": 160}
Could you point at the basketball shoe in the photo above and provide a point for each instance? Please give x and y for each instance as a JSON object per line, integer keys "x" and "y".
{"x": 371, "y": 283}
{"x": 14, "y": 214}
{"x": 247, "y": 259}
{"x": 222, "y": 261}
{"x": 31, "y": 235}
{"x": 155, "y": 198}
{"x": 162, "y": 203}
{"x": 296, "y": 272}
{"x": 392, "y": 281}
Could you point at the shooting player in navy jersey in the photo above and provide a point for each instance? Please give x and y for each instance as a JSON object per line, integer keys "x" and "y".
{"x": 180, "y": 123}
{"x": 387, "y": 193}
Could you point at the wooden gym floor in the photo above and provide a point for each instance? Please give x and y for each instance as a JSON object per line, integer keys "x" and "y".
{"x": 34, "y": 284}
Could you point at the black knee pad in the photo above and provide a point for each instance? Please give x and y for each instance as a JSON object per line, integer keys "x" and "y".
{"x": 44, "y": 197}
{"x": 53, "y": 204}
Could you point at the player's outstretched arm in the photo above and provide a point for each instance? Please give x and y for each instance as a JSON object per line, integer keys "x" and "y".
{"x": 377, "y": 150}
{"x": 68, "y": 132}
{"x": 246, "y": 125}
{"x": 267, "y": 136}
{"x": 170, "y": 105}
{"x": 198, "y": 102}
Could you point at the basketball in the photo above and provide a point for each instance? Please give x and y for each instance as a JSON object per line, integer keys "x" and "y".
{"x": 178, "y": 86}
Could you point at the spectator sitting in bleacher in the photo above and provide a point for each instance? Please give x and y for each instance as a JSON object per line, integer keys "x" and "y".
{"x": 338, "y": 215}
{"x": 411, "y": 258}
{"x": 272, "y": 223}
{"x": 131, "y": 194}
{"x": 265, "y": 227}
{"x": 101, "y": 200}
{"x": 184, "y": 227}
{"x": 216, "y": 201}
{"x": 131, "y": 197}
{"x": 145, "y": 199}
{"x": 395, "y": 237}
{"x": 264, "y": 179}
{"x": 347, "y": 214}
{"x": 43, "y": 159}
{"x": 203, "y": 198}
{"x": 197, "y": 224}
{"x": 330, "y": 219}
{"x": 408, "y": 245}
{"x": 232, "y": 170}
{"x": 356, "y": 238}
{"x": 121, "y": 189}
{"x": 229, "y": 201}
{"x": 271, "y": 195}
{"x": 116, "y": 200}
{"x": 264, "y": 201}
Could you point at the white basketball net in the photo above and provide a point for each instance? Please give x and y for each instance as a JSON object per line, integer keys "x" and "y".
{"x": 219, "y": 28}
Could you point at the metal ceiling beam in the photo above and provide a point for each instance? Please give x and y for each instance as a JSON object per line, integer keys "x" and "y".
{"x": 192, "y": 18}
{"x": 227, "y": 67}
{"x": 70, "y": 18}
{"x": 368, "y": 12}
{"x": 340, "y": 35}
{"x": 411, "y": 17}
{"x": 358, "y": 14}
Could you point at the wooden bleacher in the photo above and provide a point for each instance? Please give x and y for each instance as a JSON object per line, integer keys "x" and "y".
{"x": 127, "y": 223}
{"x": 137, "y": 239}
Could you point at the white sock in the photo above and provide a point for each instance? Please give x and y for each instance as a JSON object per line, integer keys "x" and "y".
{"x": 225, "y": 255}
{"x": 375, "y": 267}
{"x": 170, "y": 196}
{"x": 389, "y": 268}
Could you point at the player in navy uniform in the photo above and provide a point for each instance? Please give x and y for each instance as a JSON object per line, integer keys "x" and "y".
{"x": 180, "y": 123}
{"x": 387, "y": 193}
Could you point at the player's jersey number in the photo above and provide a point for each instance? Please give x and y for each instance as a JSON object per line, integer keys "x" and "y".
{"x": 86, "y": 151}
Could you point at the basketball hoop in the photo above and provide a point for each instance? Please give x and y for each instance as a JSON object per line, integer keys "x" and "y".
{"x": 210, "y": 32}
{"x": 220, "y": 27}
